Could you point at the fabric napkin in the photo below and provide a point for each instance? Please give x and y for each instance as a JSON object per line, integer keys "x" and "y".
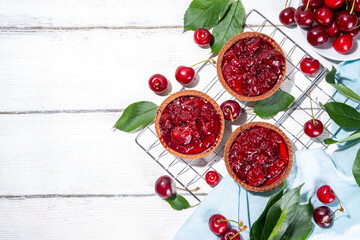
{"x": 314, "y": 167}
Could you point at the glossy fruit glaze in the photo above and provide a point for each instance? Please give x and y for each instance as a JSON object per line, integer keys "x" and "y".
{"x": 190, "y": 125}
{"x": 259, "y": 156}
{"x": 252, "y": 66}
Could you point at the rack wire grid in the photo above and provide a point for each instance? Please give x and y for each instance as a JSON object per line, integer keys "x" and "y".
{"x": 190, "y": 173}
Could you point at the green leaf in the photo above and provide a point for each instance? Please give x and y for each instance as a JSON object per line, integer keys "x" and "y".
{"x": 230, "y": 25}
{"x": 270, "y": 106}
{"x": 136, "y": 115}
{"x": 178, "y": 202}
{"x": 330, "y": 78}
{"x": 355, "y": 135}
{"x": 356, "y": 168}
{"x": 279, "y": 224}
{"x": 343, "y": 115}
{"x": 204, "y": 13}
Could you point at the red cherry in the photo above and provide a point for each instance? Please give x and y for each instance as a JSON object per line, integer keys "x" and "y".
{"x": 287, "y": 16}
{"x": 317, "y": 35}
{"x": 158, "y": 83}
{"x": 354, "y": 32}
{"x": 322, "y": 215}
{"x": 304, "y": 17}
{"x": 356, "y": 6}
{"x": 335, "y": 4}
{"x": 217, "y": 224}
{"x": 346, "y": 22}
{"x": 314, "y": 4}
{"x": 309, "y": 66}
{"x": 229, "y": 235}
{"x": 202, "y": 37}
{"x": 184, "y": 75}
{"x": 313, "y": 130}
{"x": 212, "y": 178}
{"x": 324, "y": 16}
{"x": 325, "y": 194}
{"x": 343, "y": 44}
{"x": 163, "y": 186}
{"x": 333, "y": 30}
{"x": 231, "y": 110}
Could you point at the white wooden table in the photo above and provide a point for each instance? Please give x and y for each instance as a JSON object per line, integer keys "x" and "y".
{"x": 67, "y": 71}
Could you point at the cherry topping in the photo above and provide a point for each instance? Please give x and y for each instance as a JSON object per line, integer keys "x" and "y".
{"x": 202, "y": 37}
{"x": 212, "y": 178}
{"x": 158, "y": 83}
{"x": 325, "y": 194}
{"x": 314, "y": 4}
{"x": 324, "y": 16}
{"x": 346, "y": 21}
{"x": 335, "y": 4}
{"x": 287, "y": 16}
{"x": 231, "y": 234}
{"x": 231, "y": 110}
{"x": 184, "y": 75}
{"x": 304, "y": 16}
{"x": 163, "y": 186}
{"x": 322, "y": 215}
{"x": 343, "y": 44}
{"x": 309, "y": 66}
{"x": 317, "y": 35}
{"x": 333, "y": 30}
{"x": 217, "y": 224}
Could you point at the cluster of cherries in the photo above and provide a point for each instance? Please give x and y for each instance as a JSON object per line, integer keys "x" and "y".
{"x": 326, "y": 19}
{"x": 322, "y": 215}
{"x": 219, "y": 225}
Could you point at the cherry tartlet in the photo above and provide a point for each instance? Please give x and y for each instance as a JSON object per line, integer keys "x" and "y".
{"x": 189, "y": 124}
{"x": 258, "y": 156}
{"x": 251, "y": 66}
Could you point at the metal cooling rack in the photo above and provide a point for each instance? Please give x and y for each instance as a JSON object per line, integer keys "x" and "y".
{"x": 190, "y": 173}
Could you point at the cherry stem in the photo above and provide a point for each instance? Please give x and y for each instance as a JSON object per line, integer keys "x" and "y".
{"x": 231, "y": 116}
{"x": 341, "y": 209}
{"x": 195, "y": 205}
{"x": 352, "y": 8}
{"x": 307, "y": 5}
{"x": 231, "y": 238}
{"x": 286, "y": 3}
{"x": 207, "y": 60}
{"x": 242, "y": 227}
{"x": 312, "y": 111}
{"x": 192, "y": 190}
{"x": 357, "y": 27}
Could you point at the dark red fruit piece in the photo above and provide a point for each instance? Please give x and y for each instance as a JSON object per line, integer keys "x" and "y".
{"x": 322, "y": 215}
{"x": 255, "y": 176}
{"x": 354, "y": 32}
{"x": 325, "y": 194}
{"x": 346, "y": 22}
{"x": 184, "y": 75}
{"x": 304, "y": 18}
{"x": 229, "y": 235}
{"x": 163, "y": 186}
{"x": 324, "y": 16}
{"x": 231, "y": 110}
{"x": 217, "y": 225}
{"x": 181, "y": 135}
{"x": 212, "y": 178}
{"x": 317, "y": 35}
{"x": 356, "y": 6}
{"x": 314, "y": 4}
{"x": 343, "y": 44}
{"x": 158, "y": 83}
{"x": 335, "y": 4}
{"x": 313, "y": 130}
{"x": 333, "y": 30}
{"x": 287, "y": 16}
{"x": 202, "y": 37}
{"x": 309, "y": 66}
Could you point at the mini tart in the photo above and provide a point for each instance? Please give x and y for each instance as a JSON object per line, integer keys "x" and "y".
{"x": 284, "y": 173}
{"x": 231, "y": 43}
{"x": 189, "y": 93}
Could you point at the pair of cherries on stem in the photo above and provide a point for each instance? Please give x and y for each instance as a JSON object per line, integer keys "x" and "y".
{"x": 219, "y": 225}
{"x": 322, "y": 215}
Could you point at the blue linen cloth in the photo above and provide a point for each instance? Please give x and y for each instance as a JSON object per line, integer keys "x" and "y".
{"x": 314, "y": 167}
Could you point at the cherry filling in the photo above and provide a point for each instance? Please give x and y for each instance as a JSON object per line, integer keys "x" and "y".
{"x": 190, "y": 125}
{"x": 259, "y": 156}
{"x": 252, "y": 66}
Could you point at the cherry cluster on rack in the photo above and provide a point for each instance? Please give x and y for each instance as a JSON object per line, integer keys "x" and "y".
{"x": 326, "y": 19}
{"x": 219, "y": 225}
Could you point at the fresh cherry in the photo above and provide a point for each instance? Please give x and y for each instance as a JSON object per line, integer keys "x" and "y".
{"x": 343, "y": 44}
{"x": 313, "y": 128}
{"x": 346, "y": 21}
{"x": 164, "y": 186}
{"x": 314, "y": 4}
{"x": 356, "y": 5}
{"x": 322, "y": 216}
{"x": 287, "y": 16}
{"x": 184, "y": 75}
{"x": 231, "y": 234}
{"x": 354, "y": 32}
{"x": 333, "y": 30}
{"x": 317, "y": 35}
{"x": 218, "y": 224}
{"x": 231, "y": 110}
{"x": 212, "y": 178}
{"x": 309, "y": 66}
{"x": 202, "y": 37}
{"x": 304, "y": 17}
{"x": 158, "y": 83}
{"x": 325, "y": 194}
{"x": 324, "y": 16}
{"x": 335, "y": 4}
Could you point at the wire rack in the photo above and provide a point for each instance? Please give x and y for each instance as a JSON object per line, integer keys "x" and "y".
{"x": 190, "y": 173}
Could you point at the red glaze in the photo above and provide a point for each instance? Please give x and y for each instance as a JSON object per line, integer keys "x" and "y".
{"x": 304, "y": 18}
{"x": 317, "y": 35}
{"x": 230, "y": 109}
{"x": 259, "y": 156}
{"x": 343, "y": 44}
{"x": 184, "y": 75}
{"x": 212, "y": 178}
{"x": 158, "y": 83}
{"x": 322, "y": 213}
{"x": 354, "y": 32}
{"x": 346, "y": 22}
{"x": 163, "y": 186}
{"x": 229, "y": 235}
{"x": 312, "y": 130}
{"x": 287, "y": 16}
{"x": 324, "y": 16}
{"x": 357, "y": 5}
{"x": 335, "y": 4}
{"x": 309, "y": 66}
{"x": 190, "y": 125}
{"x": 202, "y": 37}
{"x": 252, "y": 66}
{"x": 333, "y": 30}
{"x": 216, "y": 227}
{"x": 325, "y": 194}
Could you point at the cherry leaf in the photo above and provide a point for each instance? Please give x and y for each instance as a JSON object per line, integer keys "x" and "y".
{"x": 178, "y": 202}
{"x": 354, "y": 136}
{"x": 356, "y": 168}
{"x": 343, "y": 115}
